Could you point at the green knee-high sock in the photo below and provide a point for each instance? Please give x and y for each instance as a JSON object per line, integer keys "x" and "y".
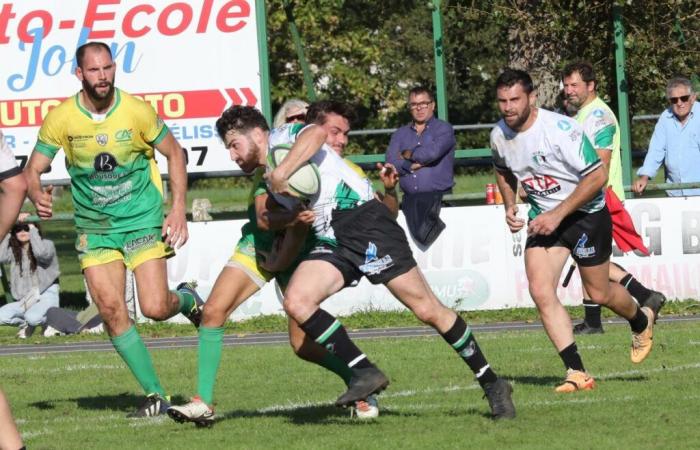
{"x": 337, "y": 366}
{"x": 210, "y": 343}
{"x": 187, "y": 301}
{"x": 134, "y": 353}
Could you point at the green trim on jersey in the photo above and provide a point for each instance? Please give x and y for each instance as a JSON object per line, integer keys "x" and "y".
{"x": 46, "y": 149}
{"x": 117, "y": 102}
{"x": 347, "y": 198}
{"x": 604, "y": 138}
{"x": 588, "y": 151}
{"x": 160, "y": 136}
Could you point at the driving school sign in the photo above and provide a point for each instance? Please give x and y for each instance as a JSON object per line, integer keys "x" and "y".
{"x": 189, "y": 60}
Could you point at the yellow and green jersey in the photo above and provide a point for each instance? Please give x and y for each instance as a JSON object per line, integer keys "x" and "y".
{"x": 601, "y": 128}
{"x": 115, "y": 181}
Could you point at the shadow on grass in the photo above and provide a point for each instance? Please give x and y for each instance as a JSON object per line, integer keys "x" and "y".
{"x": 125, "y": 401}
{"x": 537, "y": 381}
{"x": 306, "y": 415}
{"x": 73, "y": 300}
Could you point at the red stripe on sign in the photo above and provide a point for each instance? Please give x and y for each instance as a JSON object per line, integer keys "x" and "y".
{"x": 169, "y": 105}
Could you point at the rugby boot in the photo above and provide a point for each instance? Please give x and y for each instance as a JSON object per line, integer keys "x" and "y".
{"x": 584, "y": 328}
{"x": 576, "y": 380}
{"x": 195, "y": 315}
{"x": 154, "y": 405}
{"x": 499, "y": 394}
{"x": 195, "y": 411}
{"x": 655, "y": 302}
{"x": 364, "y": 382}
{"x": 642, "y": 342}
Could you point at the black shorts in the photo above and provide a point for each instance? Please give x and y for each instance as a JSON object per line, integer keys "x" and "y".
{"x": 587, "y": 235}
{"x": 369, "y": 243}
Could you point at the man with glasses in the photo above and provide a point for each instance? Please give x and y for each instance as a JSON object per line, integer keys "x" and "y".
{"x": 675, "y": 142}
{"x": 423, "y": 152}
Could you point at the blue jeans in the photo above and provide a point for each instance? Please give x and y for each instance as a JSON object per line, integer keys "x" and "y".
{"x": 14, "y": 313}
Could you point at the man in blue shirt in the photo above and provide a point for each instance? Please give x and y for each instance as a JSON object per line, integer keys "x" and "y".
{"x": 675, "y": 142}
{"x": 423, "y": 152}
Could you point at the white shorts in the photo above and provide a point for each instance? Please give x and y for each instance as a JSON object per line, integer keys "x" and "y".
{"x": 8, "y": 163}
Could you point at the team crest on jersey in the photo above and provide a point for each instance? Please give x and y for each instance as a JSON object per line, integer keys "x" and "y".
{"x": 539, "y": 158}
{"x": 564, "y": 125}
{"x": 598, "y": 113}
{"x": 102, "y": 139}
{"x": 374, "y": 265}
{"x": 581, "y": 250}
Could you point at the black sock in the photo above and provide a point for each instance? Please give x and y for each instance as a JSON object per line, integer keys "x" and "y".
{"x": 635, "y": 288}
{"x": 327, "y": 331}
{"x": 460, "y": 337}
{"x": 572, "y": 360}
{"x": 639, "y": 322}
{"x": 591, "y": 313}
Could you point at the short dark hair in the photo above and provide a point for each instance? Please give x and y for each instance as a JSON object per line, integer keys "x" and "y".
{"x": 416, "y": 90}
{"x": 584, "y": 69}
{"x": 240, "y": 119}
{"x": 318, "y": 111}
{"x": 511, "y": 77}
{"x": 80, "y": 52}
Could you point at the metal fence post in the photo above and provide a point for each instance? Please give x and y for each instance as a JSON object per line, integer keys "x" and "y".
{"x": 623, "y": 113}
{"x": 440, "y": 83}
{"x": 260, "y": 19}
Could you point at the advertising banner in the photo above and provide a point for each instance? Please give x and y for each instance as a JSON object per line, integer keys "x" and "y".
{"x": 189, "y": 60}
{"x": 476, "y": 263}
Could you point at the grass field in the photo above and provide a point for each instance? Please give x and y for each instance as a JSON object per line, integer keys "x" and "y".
{"x": 268, "y": 399}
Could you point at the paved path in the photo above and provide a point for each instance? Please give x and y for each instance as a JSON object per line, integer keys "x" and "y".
{"x": 281, "y": 338}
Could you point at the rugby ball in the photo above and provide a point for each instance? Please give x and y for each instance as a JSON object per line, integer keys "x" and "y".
{"x": 305, "y": 182}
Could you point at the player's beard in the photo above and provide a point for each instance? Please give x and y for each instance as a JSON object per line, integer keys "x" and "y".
{"x": 520, "y": 119}
{"x": 94, "y": 95}
{"x": 253, "y": 160}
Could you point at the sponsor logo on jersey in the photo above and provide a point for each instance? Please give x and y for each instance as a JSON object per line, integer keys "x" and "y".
{"x": 123, "y": 135}
{"x": 564, "y": 125}
{"x": 374, "y": 265}
{"x": 598, "y": 113}
{"x": 541, "y": 186}
{"x": 105, "y": 162}
{"x": 581, "y": 250}
{"x": 102, "y": 139}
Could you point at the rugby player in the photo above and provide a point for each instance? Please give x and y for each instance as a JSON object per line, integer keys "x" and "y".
{"x": 13, "y": 189}
{"x": 256, "y": 260}
{"x": 108, "y": 137}
{"x": 357, "y": 236}
{"x": 602, "y": 129}
{"x": 563, "y": 177}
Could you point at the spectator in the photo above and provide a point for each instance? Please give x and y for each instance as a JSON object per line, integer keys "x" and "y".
{"x": 33, "y": 277}
{"x": 60, "y": 321}
{"x": 291, "y": 111}
{"x": 675, "y": 142}
{"x": 423, "y": 153}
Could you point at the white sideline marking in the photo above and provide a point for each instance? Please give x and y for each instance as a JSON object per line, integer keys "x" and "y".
{"x": 76, "y": 367}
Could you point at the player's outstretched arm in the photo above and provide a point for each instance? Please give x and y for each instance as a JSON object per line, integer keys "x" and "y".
{"x": 175, "y": 224}
{"x": 308, "y": 143}
{"x": 40, "y": 197}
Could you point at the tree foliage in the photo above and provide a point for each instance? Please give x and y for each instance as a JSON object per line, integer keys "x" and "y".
{"x": 370, "y": 53}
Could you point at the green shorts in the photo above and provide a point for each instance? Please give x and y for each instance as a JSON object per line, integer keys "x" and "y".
{"x": 132, "y": 247}
{"x": 247, "y": 259}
